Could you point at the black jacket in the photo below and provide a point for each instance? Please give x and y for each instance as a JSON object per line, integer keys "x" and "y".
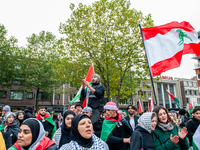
{"x": 116, "y": 137}
{"x": 135, "y": 119}
{"x": 28, "y": 114}
{"x": 48, "y": 127}
{"x": 191, "y": 126}
{"x": 141, "y": 138}
{"x": 94, "y": 103}
{"x": 97, "y": 126}
{"x": 10, "y": 136}
{"x": 52, "y": 147}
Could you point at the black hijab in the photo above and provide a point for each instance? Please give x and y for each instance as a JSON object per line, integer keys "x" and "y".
{"x": 35, "y": 128}
{"x": 65, "y": 132}
{"x": 76, "y": 136}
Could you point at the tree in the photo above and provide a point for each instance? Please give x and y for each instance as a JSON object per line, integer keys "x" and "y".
{"x": 107, "y": 34}
{"x": 8, "y": 59}
{"x": 39, "y": 63}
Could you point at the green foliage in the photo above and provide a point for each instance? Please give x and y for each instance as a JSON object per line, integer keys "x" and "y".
{"x": 8, "y": 59}
{"x": 107, "y": 34}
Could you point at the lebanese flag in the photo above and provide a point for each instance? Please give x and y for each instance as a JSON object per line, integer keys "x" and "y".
{"x": 89, "y": 79}
{"x": 152, "y": 105}
{"x": 139, "y": 108}
{"x": 166, "y": 44}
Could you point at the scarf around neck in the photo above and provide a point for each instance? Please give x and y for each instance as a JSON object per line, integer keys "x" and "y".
{"x": 166, "y": 127}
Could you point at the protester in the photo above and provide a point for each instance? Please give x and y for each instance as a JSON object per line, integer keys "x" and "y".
{"x": 62, "y": 135}
{"x": 97, "y": 126}
{"x": 28, "y": 112}
{"x": 15, "y": 111}
{"x": 193, "y": 124}
{"x": 5, "y": 109}
{"x": 2, "y": 142}
{"x": 141, "y": 137}
{"x": 196, "y": 140}
{"x": 31, "y": 136}
{"x": 82, "y": 135}
{"x": 47, "y": 122}
{"x": 95, "y": 95}
{"x": 167, "y": 135}
{"x": 56, "y": 121}
{"x": 115, "y": 130}
{"x": 131, "y": 118}
{"x": 19, "y": 117}
{"x": 9, "y": 130}
{"x": 78, "y": 108}
{"x": 72, "y": 108}
{"x": 183, "y": 118}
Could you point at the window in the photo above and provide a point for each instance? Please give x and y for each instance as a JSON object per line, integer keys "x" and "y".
{"x": 71, "y": 96}
{"x": 16, "y": 83}
{"x": 16, "y": 95}
{"x": 44, "y": 96}
{"x": 149, "y": 83}
{"x": 187, "y": 100}
{"x": 189, "y": 83}
{"x": 29, "y": 95}
{"x": 166, "y": 96}
{"x": 186, "y": 92}
{"x": 198, "y": 100}
{"x": 3, "y": 94}
{"x": 160, "y": 97}
{"x": 198, "y": 76}
{"x": 190, "y": 92}
{"x": 185, "y": 83}
{"x": 143, "y": 84}
{"x": 57, "y": 96}
{"x": 195, "y": 84}
{"x": 145, "y": 94}
{"x": 149, "y": 94}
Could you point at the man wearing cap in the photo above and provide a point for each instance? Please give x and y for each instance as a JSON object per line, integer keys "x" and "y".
{"x": 97, "y": 126}
{"x": 95, "y": 96}
{"x": 116, "y": 131}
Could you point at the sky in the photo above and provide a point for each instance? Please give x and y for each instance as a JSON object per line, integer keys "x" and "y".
{"x": 22, "y": 18}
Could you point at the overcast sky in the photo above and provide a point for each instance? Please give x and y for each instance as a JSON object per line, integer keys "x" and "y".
{"x": 24, "y": 17}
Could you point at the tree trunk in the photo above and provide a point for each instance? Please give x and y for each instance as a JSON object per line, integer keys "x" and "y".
{"x": 36, "y": 100}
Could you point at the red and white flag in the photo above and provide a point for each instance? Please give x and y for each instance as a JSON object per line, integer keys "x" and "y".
{"x": 139, "y": 107}
{"x": 166, "y": 44}
{"x": 152, "y": 105}
{"x": 89, "y": 79}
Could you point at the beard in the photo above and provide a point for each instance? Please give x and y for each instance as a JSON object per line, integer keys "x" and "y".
{"x": 131, "y": 113}
{"x": 42, "y": 115}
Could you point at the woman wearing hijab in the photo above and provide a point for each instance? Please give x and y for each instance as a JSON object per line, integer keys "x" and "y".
{"x": 141, "y": 137}
{"x": 9, "y": 130}
{"x": 19, "y": 117}
{"x": 31, "y": 136}
{"x": 167, "y": 135}
{"x": 83, "y": 137}
{"x": 62, "y": 135}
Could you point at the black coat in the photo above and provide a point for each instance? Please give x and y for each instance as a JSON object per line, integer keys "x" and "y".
{"x": 10, "y": 136}
{"x": 97, "y": 126}
{"x": 52, "y": 147}
{"x": 141, "y": 138}
{"x": 95, "y": 103}
{"x": 28, "y": 114}
{"x": 116, "y": 137}
{"x": 48, "y": 127}
{"x": 135, "y": 119}
{"x": 192, "y": 126}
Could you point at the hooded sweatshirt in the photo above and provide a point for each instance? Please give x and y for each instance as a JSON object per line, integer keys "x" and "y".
{"x": 141, "y": 137}
{"x": 41, "y": 142}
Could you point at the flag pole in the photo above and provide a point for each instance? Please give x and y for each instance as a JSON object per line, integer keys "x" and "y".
{"x": 148, "y": 66}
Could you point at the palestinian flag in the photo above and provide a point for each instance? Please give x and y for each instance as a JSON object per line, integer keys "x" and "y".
{"x": 196, "y": 139}
{"x": 174, "y": 98}
{"x": 139, "y": 107}
{"x": 152, "y": 105}
{"x": 108, "y": 125}
{"x": 89, "y": 79}
{"x": 50, "y": 120}
{"x": 2, "y": 126}
{"x": 166, "y": 44}
{"x": 190, "y": 108}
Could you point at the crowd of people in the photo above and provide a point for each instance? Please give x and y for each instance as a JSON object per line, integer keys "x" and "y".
{"x": 98, "y": 127}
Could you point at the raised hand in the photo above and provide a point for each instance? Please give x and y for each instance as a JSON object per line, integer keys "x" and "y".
{"x": 83, "y": 84}
{"x": 182, "y": 134}
{"x": 174, "y": 139}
